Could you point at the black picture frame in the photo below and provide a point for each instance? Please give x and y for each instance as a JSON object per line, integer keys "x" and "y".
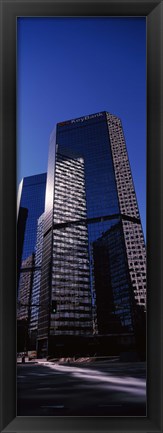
{"x": 153, "y": 10}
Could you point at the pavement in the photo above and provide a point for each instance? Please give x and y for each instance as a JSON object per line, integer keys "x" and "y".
{"x": 103, "y": 388}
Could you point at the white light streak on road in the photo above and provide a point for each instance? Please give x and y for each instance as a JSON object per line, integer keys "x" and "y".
{"x": 125, "y": 384}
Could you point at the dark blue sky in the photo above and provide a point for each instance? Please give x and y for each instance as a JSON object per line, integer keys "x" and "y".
{"x": 70, "y": 67}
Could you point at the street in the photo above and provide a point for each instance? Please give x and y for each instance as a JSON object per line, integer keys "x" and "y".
{"x": 100, "y": 388}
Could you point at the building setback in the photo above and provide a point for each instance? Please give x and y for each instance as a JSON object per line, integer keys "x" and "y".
{"x": 90, "y": 200}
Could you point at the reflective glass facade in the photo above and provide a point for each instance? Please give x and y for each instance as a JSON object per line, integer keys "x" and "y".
{"x": 89, "y": 139}
{"x": 70, "y": 264}
{"x": 21, "y": 225}
{"x": 114, "y": 294}
{"x": 92, "y": 228}
{"x": 31, "y": 203}
{"x": 25, "y": 290}
{"x": 35, "y": 295}
{"x": 32, "y": 197}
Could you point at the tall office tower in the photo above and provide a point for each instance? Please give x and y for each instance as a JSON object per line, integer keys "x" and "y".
{"x": 97, "y": 141}
{"x": 31, "y": 195}
{"x": 132, "y": 229}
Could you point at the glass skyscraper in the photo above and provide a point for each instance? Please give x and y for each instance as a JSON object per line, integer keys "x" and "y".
{"x": 31, "y": 195}
{"x": 93, "y": 259}
{"x": 31, "y": 202}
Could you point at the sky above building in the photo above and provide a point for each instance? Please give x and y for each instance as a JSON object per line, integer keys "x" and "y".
{"x": 70, "y": 67}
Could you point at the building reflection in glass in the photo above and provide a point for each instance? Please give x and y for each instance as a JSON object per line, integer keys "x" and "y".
{"x": 70, "y": 259}
{"x": 114, "y": 295}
